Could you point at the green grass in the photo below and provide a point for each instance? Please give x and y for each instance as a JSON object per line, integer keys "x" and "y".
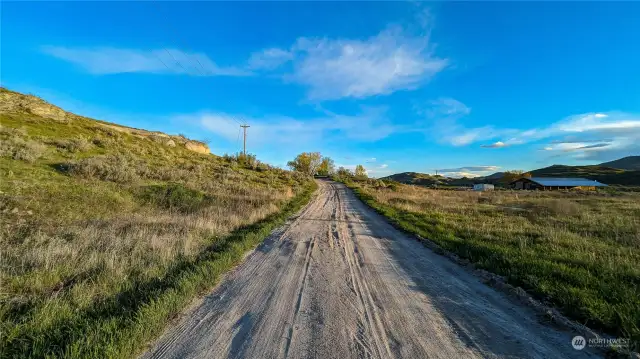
{"x": 578, "y": 252}
{"x": 106, "y": 232}
{"x": 120, "y": 325}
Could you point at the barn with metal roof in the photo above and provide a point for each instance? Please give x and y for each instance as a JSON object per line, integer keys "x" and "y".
{"x": 554, "y": 183}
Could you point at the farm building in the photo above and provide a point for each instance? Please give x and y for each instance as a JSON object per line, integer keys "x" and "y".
{"x": 551, "y": 183}
{"x": 483, "y": 187}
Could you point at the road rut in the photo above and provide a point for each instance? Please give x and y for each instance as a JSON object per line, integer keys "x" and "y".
{"x": 338, "y": 281}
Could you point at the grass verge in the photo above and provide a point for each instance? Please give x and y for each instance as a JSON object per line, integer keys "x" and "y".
{"x": 576, "y": 252}
{"x": 121, "y": 325}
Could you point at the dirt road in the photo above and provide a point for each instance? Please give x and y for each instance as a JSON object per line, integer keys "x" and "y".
{"x": 340, "y": 282}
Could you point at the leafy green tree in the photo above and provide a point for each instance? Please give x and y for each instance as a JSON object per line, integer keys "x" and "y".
{"x": 306, "y": 162}
{"x": 327, "y": 167}
{"x": 511, "y": 176}
{"x": 343, "y": 173}
{"x": 361, "y": 172}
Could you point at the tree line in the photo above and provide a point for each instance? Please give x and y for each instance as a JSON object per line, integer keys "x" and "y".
{"x": 314, "y": 164}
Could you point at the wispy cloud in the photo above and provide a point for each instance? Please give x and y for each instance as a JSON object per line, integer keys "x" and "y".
{"x": 472, "y": 169}
{"x": 269, "y": 59}
{"x": 443, "y": 107}
{"x": 595, "y": 136}
{"x": 498, "y": 144}
{"x": 368, "y": 125}
{"x": 110, "y": 60}
{"x": 385, "y": 63}
{"x": 588, "y": 136}
{"x": 445, "y": 114}
{"x": 378, "y": 171}
{"x": 460, "y": 174}
{"x": 397, "y": 58}
{"x": 333, "y": 68}
{"x": 468, "y": 171}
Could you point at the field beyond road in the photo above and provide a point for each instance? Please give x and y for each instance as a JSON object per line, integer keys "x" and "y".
{"x": 339, "y": 282}
{"x": 577, "y": 251}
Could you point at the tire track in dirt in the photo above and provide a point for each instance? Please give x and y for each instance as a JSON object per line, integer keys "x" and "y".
{"x": 337, "y": 281}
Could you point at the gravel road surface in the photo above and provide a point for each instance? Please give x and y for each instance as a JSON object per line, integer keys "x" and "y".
{"x": 338, "y": 281}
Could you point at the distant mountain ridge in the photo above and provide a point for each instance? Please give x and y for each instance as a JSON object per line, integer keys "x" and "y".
{"x": 624, "y": 171}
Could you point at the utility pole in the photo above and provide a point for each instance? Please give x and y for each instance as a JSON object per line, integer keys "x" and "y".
{"x": 244, "y": 143}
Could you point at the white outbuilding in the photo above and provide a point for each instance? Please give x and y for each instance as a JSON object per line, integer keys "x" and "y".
{"x": 483, "y": 187}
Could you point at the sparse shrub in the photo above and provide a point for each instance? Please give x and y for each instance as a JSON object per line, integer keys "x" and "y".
{"x": 262, "y": 167}
{"x": 22, "y": 150}
{"x": 72, "y": 145}
{"x": 102, "y": 142}
{"x": 14, "y": 132}
{"x": 163, "y": 139}
{"x": 174, "y": 196}
{"x": 79, "y": 144}
{"x": 114, "y": 168}
{"x": 247, "y": 161}
{"x": 107, "y": 131}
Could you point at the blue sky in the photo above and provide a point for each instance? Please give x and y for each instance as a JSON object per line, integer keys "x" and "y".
{"x": 466, "y": 88}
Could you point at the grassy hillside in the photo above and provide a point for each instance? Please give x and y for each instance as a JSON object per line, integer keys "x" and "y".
{"x": 630, "y": 163}
{"x": 424, "y": 179}
{"x": 106, "y": 232}
{"x": 607, "y": 175}
{"x": 577, "y": 251}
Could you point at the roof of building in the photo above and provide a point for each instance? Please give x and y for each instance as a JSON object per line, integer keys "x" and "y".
{"x": 565, "y": 182}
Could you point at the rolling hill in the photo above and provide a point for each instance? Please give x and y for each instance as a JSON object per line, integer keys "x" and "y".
{"x": 424, "y": 179}
{"x": 630, "y": 163}
{"x": 601, "y": 173}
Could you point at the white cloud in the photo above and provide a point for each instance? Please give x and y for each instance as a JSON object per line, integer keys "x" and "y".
{"x": 368, "y": 125}
{"x": 269, "y": 59}
{"x": 369, "y": 160}
{"x": 331, "y": 69}
{"x": 472, "y": 169}
{"x": 444, "y": 107}
{"x": 601, "y": 123}
{"x": 385, "y": 63}
{"x": 459, "y": 136}
{"x": 498, "y": 144}
{"x": 593, "y": 136}
{"x": 109, "y": 60}
{"x": 460, "y": 174}
{"x": 379, "y": 171}
{"x": 445, "y": 114}
{"x": 468, "y": 171}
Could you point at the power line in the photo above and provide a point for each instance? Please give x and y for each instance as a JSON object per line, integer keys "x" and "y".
{"x": 172, "y": 29}
{"x": 174, "y": 59}
{"x": 165, "y": 65}
{"x": 238, "y": 139}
